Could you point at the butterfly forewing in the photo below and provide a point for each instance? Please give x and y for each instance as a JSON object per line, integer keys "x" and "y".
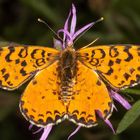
{"x": 18, "y": 63}
{"x": 119, "y": 65}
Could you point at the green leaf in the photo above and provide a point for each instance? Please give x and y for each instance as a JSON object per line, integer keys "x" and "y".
{"x": 129, "y": 117}
{"x": 131, "y": 91}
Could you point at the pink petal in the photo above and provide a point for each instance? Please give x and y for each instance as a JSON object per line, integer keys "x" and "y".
{"x": 74, "y": 132}
{"x": 110, "y": 125}
{"x": 31, "y": 126}
{"x": 46, "y": 132}
{"x": 73, "y": 21}
{"x": 37, "y": 131}
{"x": 65, "y": 32}
{"x": 66, "y": 25}
{"x": 105, "y": 120}
{"x": 57, "y": 44}
{"x": 69, "y": 40}
{"x": 120, "y": 99}
{"x": 86, "y": 27}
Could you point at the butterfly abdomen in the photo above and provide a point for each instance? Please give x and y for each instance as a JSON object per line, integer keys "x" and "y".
{"x": 67, "y": 74}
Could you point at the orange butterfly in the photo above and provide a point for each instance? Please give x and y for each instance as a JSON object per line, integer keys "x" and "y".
{"x": 68, "y": 84}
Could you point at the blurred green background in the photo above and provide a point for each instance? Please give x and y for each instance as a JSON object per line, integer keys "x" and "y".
{"x": 18, "y": 23}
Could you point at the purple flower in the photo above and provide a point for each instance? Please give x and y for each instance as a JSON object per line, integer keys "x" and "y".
{"x": 120, "y": 99}
{"x": 46, "y": 132}
{"x": 69, "y": 36}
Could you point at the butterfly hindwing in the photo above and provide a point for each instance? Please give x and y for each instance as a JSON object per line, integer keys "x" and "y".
{"x": 40, "y": 103}
{"x": 18, "y": 63}
{"x": 119, "y": 65}
{"x": 90, "y": 95}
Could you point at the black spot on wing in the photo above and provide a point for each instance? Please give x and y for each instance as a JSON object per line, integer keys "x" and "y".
{"x": 3, "y": 70}
{"x": 23, "y": 52}
{"x": 43, "y": 97}
{"x": 98, "y": 83}
{"x": 43, "y": 53}
{"x": 40, "y": 62}
{"x": 110, "y": 71}
{"x": 132, "y": 70}
{"x": 113, "y": 52}
{"x": 115, "y": 77}
{"x": 130, "y": 56}
{"x": 88, "y": 99}
{"x": 6, "y": 76}
{"x": 103, "y": 54}
{"x": 48, "y": 112}
{"x": 49, "y": 120}
{"x": 40, "y": 121}
{"x": 118, "y": 61}
{"x": 75, "y": 112}
{"x": 34, "y": 82}
{"x": 23, "y": 72}
{"x": 121, "y": 83}
{"x": 49, "y": 54}
{"x": 23, "y": 63}
{"x": 11, "y": 51}
{"x": 138, "y": 68}
{"x": 10, "y": 83}
{"x": 33, "y": 110}
{"x": 110, "y": 63}
{"x": 17, "y": 61}
{"x": 40, "y": 115}
{"x": 94, "y": 61}
{"x": 126, "y": 76}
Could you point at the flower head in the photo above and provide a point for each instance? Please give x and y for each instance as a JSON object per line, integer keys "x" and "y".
{"x": 69, "y": 33}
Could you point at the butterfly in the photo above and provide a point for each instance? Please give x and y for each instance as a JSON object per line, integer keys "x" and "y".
{"x": 68, "y": 84}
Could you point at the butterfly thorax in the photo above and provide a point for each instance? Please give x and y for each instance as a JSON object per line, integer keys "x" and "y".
{"x": 67, "y": 72}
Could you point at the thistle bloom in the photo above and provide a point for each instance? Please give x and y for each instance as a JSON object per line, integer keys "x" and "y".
{"x": 69, "y": 36}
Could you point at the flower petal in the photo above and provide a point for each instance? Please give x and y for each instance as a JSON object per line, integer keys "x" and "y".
{"x": 67, "y": 34}
{"x": 31, "y": 126}
{"x": 110, "y": 125}
{"x": 74, "y": 132}
{"x": 57, "y": 44}
{"x": 46, "y": 132}
{"x": 105, "y": 120}
{"x": 120, "y": 99}
{"x": 66, "y": 25}
{"x": 86, "y": 27}
{"x": 73, "y": 21}
{"x": 37, "y": 131}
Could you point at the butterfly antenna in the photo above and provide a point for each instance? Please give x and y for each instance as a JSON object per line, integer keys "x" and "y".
{"x": 42, "y": 21}
{"x": 91, "y": 43}
{"x": 99, "y": 20}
